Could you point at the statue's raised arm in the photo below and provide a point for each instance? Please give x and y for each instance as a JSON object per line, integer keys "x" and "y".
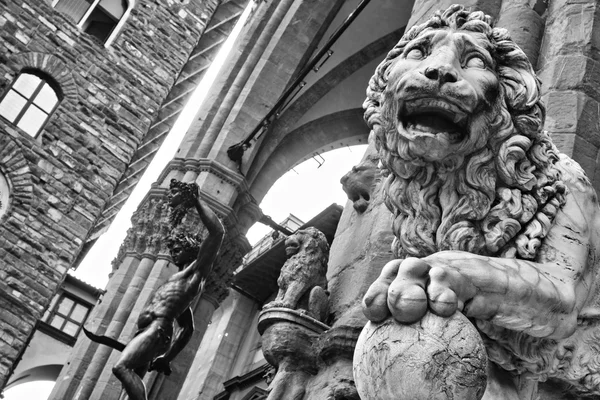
{"x": 166, "y": 323}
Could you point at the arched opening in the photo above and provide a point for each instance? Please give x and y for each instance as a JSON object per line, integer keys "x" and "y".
{"x": 307, "y": 188}
{"x": 33, "y": 384}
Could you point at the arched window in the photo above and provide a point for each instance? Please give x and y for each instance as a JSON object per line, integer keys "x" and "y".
{"x": 100, "y": 18}
{"x": 29, "y": 102}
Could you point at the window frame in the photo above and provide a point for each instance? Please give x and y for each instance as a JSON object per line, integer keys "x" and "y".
{"x": 30, "y": 101}
{"x": 53, "y": 311}
{"x": 116, "y": 30}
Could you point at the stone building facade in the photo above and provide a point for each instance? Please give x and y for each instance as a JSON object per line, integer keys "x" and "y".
{"x": 559, "y": 36}
{"x": 82, "y": 83}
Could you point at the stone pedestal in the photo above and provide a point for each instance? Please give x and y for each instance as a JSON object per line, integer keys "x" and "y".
{"x": 288, "y": 342}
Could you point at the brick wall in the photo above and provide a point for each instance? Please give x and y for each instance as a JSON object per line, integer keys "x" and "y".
{"x": 60, "y": 180}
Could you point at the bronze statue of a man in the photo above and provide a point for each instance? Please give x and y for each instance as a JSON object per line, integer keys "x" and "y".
{"x": 153, "y": 348}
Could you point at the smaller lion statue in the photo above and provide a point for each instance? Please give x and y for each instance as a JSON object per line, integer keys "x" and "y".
{"x": 303, "y": 280}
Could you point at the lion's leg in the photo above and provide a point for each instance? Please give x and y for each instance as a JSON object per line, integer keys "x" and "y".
{"x": 292, "y": 295}
{"x": 510, "y": 293}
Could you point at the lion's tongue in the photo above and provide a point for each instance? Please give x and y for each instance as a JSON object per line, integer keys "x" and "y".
{"x": 431, "y": 123}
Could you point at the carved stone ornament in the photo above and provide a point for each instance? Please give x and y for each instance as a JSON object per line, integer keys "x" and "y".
{"x": 4, "y": 195}
{"x": 490, "y": 219}
{"x": 359, "y": 182}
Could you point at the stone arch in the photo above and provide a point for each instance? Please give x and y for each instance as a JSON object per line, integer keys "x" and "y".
{"x": 40, "y": 373}
{"x": 272, "y": 150}
{"x": 332, "y": 131}
{"x": 51, "y": 66}
{"x": 18, "y": 173}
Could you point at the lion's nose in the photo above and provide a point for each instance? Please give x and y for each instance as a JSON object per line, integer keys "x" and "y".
{"x": 443, "y": 74}
{"x": 344, "y": 179}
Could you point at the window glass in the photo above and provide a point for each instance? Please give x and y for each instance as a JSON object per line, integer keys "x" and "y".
{"x": 11, "y": 105}
{"x": 115, "y": 8}
{"x": 57, "y": 322}
{"x": 79, "y": 313}
{"x": 70, "y": 328}
{"x": 65, "y": 306}
{"x": 46, "y": 99}
{"x": 26, "y": 84}
{"x": 32, "y": 120}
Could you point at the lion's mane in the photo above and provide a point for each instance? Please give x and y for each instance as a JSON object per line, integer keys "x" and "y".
{"x": 502, "y": 199}
{"x": 499, "y": 200}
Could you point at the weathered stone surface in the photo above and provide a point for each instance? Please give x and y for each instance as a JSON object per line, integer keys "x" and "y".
{"x": 302, "y": 282}
{"x": 463, "y": 146}
{"x": 436, "y": 359}
{"x": 360, "y": 182}
{"x": 288, "y": 338}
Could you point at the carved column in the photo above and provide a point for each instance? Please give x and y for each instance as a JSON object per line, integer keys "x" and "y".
{"x": 525, "y": 23}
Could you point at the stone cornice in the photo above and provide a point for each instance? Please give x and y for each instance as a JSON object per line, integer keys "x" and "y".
{"x": 219, "y": 170}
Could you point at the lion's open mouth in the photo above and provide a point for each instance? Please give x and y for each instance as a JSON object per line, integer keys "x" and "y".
{"x": 433, "y": 117}
{"x": 291, "y": 248}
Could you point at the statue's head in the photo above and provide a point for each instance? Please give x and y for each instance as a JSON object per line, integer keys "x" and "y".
{"x": 183, "y": 248}
{"x": 443, "y": 89}
{"x": 456, "y": 113}
{"x": 309, "y": 240}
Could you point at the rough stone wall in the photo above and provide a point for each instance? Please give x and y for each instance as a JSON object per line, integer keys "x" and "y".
{"x": 62, "y": 179}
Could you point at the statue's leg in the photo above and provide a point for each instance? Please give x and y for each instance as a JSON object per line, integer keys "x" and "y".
{"x": 136, "y": 357}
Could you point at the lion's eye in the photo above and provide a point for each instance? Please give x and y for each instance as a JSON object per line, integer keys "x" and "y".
{"x": 476, "y": 62}
{"x": 415, "y": 54}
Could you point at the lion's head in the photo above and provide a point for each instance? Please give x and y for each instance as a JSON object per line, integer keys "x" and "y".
{"x": 455, "y": 109}
{"x": 309, "y": 241}
{"x": 360, "y": 181}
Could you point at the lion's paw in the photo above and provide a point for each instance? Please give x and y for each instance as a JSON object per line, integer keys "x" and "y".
{"x": 406, "y": 289}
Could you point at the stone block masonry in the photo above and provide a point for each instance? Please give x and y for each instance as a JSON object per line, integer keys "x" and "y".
{"x": 61, "y": 180}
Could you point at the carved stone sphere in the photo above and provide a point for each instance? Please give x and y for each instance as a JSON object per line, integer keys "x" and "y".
{"x": 433, "y": 359}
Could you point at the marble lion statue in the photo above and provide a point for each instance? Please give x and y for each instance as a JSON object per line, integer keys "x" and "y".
{"x": 303, "y": 279}
{"x": 490, "y": 219}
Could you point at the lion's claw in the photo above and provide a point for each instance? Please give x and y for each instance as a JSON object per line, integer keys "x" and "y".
{"x": 406, "y": 289}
